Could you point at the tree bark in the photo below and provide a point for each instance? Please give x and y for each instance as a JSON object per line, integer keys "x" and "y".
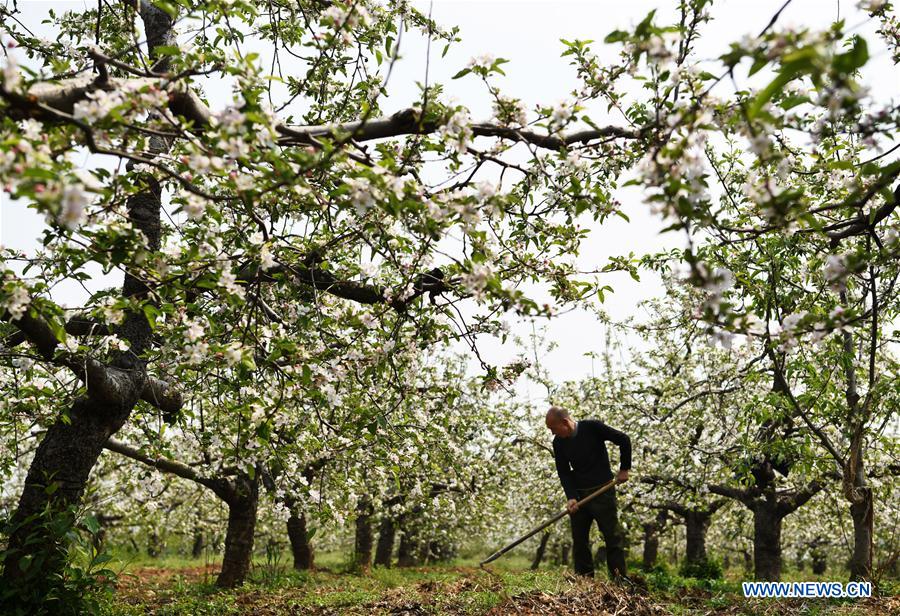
{"x": 406, "y": 551}
{"x": 301, "y": 548}
{"x": 539, "y": 554}
{"x": 863, "y": 516}
{"x": 197, "y": 546}
{"x": 154, "y": 545}
{"x": 651, "y": 546}
{"x": 239, "y": 537}
{"x": 767, "y": 540}
{"x": 70, "y": 448}
{"x": 53, "y": 487}
{"x": 387, "y": 532}
{"x": 696, "y": 524}
{"x": 362, "y": 547}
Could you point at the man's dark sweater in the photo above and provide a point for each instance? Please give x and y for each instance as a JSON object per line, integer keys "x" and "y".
{"x": 582, "y": 461}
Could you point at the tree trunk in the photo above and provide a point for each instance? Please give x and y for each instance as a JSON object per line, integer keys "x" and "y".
{"x": 767, "y": 541}
{"x": 863, "y": 515}
{"x": 70, "y": 448}
{"x": 819, "y": 561}
{"x": 651, "y": 545}
{"x": 696, "y": 524}
{"x": 197, "y": 547}
{"x": 154, "y": 545}
{"x": 53, "y": 488}
{"x": 239, "y": 537}
{"x": 539, "y": 554}
{"x": 387, "y": 530}
{"x": 406, "y": 556}
{"x": 362, "y": 547}
{"x": 300, "y": 546}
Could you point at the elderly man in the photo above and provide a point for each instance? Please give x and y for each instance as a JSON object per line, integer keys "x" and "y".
{"x": 583, "y": 466}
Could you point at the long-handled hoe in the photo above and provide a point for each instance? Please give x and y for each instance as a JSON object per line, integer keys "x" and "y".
{"x": 549, "y": 522}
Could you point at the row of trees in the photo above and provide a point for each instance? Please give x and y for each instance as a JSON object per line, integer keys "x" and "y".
{"x": 290, "y": 256}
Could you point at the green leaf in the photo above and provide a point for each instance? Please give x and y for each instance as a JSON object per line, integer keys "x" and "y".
{"x": 757, "y": 65}
{"x": 854, "y": 59}
{"x": 644, "y": 27}
{"x": 616, "y": 36}
{"x": 792, "y": 101}
{"x": 168, "y": 7}
{"x": 91, "y": 523}
{"x": 151, "y": 312}
{"x": 777, "y": 84}
{"x": 462, "y": 73}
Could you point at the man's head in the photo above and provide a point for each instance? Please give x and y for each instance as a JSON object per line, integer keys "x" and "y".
{"x": 560, "y": 422}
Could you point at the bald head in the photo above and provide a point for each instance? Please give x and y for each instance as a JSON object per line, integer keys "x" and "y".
{"x": 557, "y": 413}
{"x": 560, "y": 422}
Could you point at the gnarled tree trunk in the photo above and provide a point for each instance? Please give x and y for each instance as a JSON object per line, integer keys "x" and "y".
{"x": 362, "y": 546}
{"x": 406, "y": 551}
{"x": 767, "y": 541}
{"x": 696, "y": 524}
{"x": 71, "y": 447}
{"x": 863, "y": 515}
{"x": 301, "y": 548}
{"x": 651, "y": 538}
{"x": 539, "y": 553}
{"x": 197, "y": 546}
{"x": 242, "y": 507}
{"x": 387, "y": 532}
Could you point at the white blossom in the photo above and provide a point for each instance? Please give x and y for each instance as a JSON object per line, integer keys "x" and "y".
{"x": 362, "y": 194}
{"x": 486, "y": 190}
{"x": 195, "y": 353}
{"x": 790, "y": 322}
{"x": 11, "y": 76}
{"x": 194, "y": 331}
{"x": 74, "y": 202}
{"x": 97, "y": 105}
{"x": 560, "y": 114}
{"x": 871, "y": 6}
{"x": 233, "y": 353}
{"x": 16, "y": 302}
{"x": 31, "y": 129}
{"x": 835, "y": 272}
{"x": 195, "y": 207}
{"x": 228, "y": 281}
{"x": 483, "y": 61}
{"x": 476, "y": 280}
{"x": 266, "y": 260}
{"x": 458, "y": 129}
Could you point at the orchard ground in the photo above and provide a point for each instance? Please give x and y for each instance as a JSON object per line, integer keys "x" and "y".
{"x": 174, "y": 585}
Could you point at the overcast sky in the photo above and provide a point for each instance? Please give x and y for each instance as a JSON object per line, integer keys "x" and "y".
{"x": 528, "y": 34}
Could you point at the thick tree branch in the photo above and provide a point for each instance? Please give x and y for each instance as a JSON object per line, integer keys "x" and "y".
{"x": 791, "y": 503}
{"x": 168, "y": 466}
{"x": 76, "y": 326}
{"x": 743, "y": 496}
{"x": 866, "y": 221}
{"x": 62, "y": 97}
{"x": 323, "y": 280}
{"x": 106, "y": 382}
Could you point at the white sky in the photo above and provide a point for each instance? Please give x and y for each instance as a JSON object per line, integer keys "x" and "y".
{"x": 528, "y": 33}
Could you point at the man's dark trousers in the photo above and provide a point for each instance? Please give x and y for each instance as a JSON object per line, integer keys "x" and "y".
{"x": 603, "y": 510}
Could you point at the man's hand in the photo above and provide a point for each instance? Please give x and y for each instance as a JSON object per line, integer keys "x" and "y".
{"x": 572, "y": 505}
{"x": 622, "y": 476}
